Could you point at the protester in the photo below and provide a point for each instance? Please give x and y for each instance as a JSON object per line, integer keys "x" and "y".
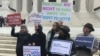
{"x": 60, "y": 23}
{"x": 22, "y": 37}
{"x": 83, "y": 51}
{"x": 1, "y": 21}
{"x": 51, "y": 33}
{"x": 23, "y": 21}
{"x": 63, "y": 34}
{"x": 39, "y": 39}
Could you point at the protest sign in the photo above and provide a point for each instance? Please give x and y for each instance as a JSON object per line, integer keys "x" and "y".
{"x": 53, "y": 11}
{"x": 31, "y": 51}
{"x": 88, "y": 42}
{"x": 35, "y": 18}
{"x": 61, "y": 47}
{"x": 14, "y": 19}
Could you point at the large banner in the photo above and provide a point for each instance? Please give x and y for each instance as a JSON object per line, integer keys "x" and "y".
{"x": 61, "y": 47}
{"x": 85, "y": 41}
{"x": 35, "y": 18}
{"x": 14, "y": 19}
{"x": 53, "y": 11}
{"x": 31, "y": 51}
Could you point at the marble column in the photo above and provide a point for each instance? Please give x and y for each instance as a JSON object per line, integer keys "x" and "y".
{"x": 89, "y": 5}
{"x": 0, "y": 2}
{"x": 24, "y": 11}
{"x": 64, "y": 0}
{"x": 35, "y": 8}
{"x": 19, "y": 5}
{"x": 46, "y": 0}
{"x": 76, "y": 6}
{"x": 59, "y": 1}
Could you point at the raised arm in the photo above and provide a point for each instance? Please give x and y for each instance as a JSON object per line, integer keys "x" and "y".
{"x": 13, "y": 32}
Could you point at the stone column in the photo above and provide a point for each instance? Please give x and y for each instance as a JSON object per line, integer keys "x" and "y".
{"x": 89, "y": 5}
{"x": 59, "y": 1}
{"x": 76, "y": 5}
{"x": 35, "y": 8}
{"x": 64, "y": 0}
{"x": 0, "y": 2}
{"x": 19, "y": 5}
{"x": 46, "y": 0}
{"x": 24, "y": 11}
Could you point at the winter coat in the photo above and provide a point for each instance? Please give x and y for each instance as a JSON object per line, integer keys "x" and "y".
{"x": 21, "y": 40}
{"x": 39, "y": 40}
{"x": 60, "y": 38}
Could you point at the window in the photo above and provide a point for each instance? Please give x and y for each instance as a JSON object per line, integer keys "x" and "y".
{"x": 52, "y": 0}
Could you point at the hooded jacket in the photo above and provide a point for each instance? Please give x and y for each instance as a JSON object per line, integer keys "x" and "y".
{"x": 39, "y": 39}
{"x": 21, "y": 40}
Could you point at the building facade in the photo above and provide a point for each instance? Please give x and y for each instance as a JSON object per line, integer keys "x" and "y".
{"x": 31, "y": 6}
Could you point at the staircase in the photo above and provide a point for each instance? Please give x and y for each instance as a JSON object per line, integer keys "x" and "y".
{"x": 7, "y": 46}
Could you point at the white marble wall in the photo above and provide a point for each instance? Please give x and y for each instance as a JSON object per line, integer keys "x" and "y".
{"x": 0, "y": 1}
{"x": 26, "y": 6}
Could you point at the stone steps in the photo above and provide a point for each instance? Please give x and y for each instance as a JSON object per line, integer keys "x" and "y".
{"x": 7, "y": 38}
{"x": 5, "y": 54}
{"x": 7, "y": 51}
{"x": 9, "y": 46}
{"x": 7, "y": 41}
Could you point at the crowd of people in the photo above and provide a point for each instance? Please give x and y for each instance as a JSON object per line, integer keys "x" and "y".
{"x": 58, "y": 31}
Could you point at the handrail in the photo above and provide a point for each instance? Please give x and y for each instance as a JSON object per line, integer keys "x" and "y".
{"x": 11, "y": 8}
{"x": 98, "y": 8}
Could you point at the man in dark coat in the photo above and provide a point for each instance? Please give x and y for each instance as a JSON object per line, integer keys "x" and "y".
{"x": 64, "y": 35}
{"x": 22, "y": 37}
{"x": 39, "y": 39}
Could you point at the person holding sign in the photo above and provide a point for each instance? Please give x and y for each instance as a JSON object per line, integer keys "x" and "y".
{"x": 51, "y": 33}
{"x": 63, "y": 35}
{"x": 39, "y": 39}
{"x": 83, "y": 51}
{"x": 22, "y": 37}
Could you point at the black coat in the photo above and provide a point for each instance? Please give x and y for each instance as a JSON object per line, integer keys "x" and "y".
{"x": 60, "y": 38}
{"x": 21, "y": 41}
{"x": 39, "y": 40}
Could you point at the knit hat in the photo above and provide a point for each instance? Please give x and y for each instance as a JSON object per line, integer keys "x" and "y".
{"x": 24, "y": 26}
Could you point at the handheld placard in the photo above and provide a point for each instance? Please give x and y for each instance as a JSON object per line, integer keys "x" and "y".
{"x": 31, "y": 51}
{"x": 61, "y": 47}
{"x": 88, "y": 42}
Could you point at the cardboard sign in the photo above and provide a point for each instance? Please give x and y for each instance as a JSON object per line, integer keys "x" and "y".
{"x": 35, "y": 18}
{"x": 53, "y": 11}
{"x": 14, "y": 19}
{"x": 61, "y": 47}
{"x": 31, "y": 51}
{"x": 85, "y": 41}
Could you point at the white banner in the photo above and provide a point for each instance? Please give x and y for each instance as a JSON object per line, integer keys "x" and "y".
{"x": 56, "y": 11}
{"x": 61, "y": 47}
{"x": 35, "y": 18}
{"x": 31, "y": 51}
